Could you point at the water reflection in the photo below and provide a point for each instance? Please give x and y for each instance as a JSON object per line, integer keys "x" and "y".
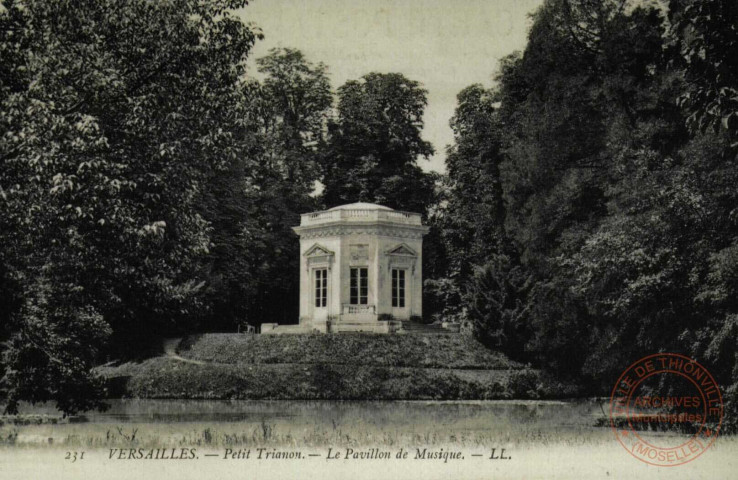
{"x": 466, "y": 415}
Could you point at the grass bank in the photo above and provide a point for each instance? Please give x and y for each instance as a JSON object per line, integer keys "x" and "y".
{"x": 327, "y": 367}
{"x": 446, "y": 351}
{"x": 169, "y": 378}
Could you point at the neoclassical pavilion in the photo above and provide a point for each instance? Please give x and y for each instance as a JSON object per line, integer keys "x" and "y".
{"x": 360, "y": 270}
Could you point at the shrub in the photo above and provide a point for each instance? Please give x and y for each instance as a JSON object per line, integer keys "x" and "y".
{"x": 497, "y": 300}
{"x": 525, "y": 383}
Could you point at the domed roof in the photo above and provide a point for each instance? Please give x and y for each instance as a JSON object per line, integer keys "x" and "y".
{"x": 360, "y": 206}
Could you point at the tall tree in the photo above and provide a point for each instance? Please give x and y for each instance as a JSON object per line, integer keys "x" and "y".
{"x": 471, "y": 217}
{"x": 253, "y": 208}
{"x": 295, "y": 100}
{"x": 115, "y": 114}
{"x": 475, "y": 212}
{"x": 624, "y": 216}
{"x": 375, "y": 142}
{"x": 589, "y": 102}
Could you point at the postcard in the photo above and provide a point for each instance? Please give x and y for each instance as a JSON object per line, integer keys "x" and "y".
{"x": 336, "y": 239}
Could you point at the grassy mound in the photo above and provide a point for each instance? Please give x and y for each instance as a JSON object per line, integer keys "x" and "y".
{"x": 169, "y": 378}
{"x": 451, "y": 351}
{"x": 337, "y": 367}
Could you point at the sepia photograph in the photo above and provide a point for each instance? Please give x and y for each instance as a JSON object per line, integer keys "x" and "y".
{"x": 370, "y": 239}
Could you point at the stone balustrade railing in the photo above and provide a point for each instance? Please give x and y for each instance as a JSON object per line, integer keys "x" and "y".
{"x": 356, "y": 309}
{"x": 360, "y": 215}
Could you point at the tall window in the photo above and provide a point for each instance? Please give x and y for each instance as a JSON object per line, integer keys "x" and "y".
{"x": 321, "y": 287}
{"x": 398, "y": 288}
{"x": 359, "y": 286}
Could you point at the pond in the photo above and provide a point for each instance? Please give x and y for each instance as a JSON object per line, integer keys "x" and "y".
{"x": 545, "y": 438}
{"x": 244, "y": 421}
{"x": 474, "y": 414}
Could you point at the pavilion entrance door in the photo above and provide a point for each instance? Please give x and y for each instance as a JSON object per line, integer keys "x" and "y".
{"x": 320, "y": 293}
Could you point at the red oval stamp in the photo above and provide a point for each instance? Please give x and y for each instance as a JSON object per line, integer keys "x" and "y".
{"x": 661, "y": 394}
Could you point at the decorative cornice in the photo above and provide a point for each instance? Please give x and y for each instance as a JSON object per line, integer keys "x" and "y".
{"x": 349, "y": 230}
{"x": 342, "y": 228}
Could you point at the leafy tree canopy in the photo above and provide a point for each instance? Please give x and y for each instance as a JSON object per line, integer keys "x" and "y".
{"x": 614, "y": 143}
{"x": 253, "y": 206}
{"x": 107, "y": 111}
{"x": 375, "y": 142}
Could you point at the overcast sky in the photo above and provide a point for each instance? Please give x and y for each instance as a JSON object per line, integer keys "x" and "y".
{"x": 445, "y": 45}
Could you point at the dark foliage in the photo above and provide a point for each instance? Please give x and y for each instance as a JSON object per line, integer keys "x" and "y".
{"x": 108, "y": 143}
{"x": 614, "y": 146}
{"x": 374, "y": 144}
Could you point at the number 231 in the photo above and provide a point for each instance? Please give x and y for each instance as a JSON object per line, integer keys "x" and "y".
{"x": 74, "y": 456}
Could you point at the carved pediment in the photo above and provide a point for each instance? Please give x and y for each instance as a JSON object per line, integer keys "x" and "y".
{"x": 402, "y": 250}
{"x": 318, "y": 250}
